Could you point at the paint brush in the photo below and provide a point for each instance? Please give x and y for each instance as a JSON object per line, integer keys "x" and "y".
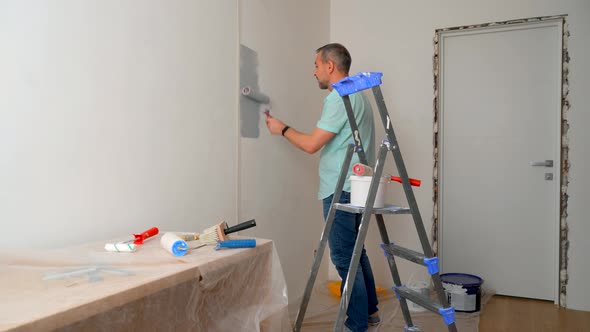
{"x": 219, "y": 232}
{"x": 364, "y": 170}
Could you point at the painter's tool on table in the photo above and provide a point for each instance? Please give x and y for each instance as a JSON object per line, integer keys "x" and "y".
{"x": 364, "y": 170}
{"x": 120, "y": 247}
{"x": 127, "y": 246}
{"x": 239, "y": 243}
{"x": 139, "y": 238}
{"x": 219, "y": 232}
{"x": 175, "y": 245}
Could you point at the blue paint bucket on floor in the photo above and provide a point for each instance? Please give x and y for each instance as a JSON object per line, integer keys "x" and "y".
{"x": 463, "y": 291}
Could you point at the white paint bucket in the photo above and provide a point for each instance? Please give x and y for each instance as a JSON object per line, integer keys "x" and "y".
{"x": 463, "y": 291}
{"x": 422, "y": 288}
{"x": 359, "y": 189}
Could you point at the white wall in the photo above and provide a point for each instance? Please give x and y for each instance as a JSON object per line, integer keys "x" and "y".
{"x": 116, "y": 116}
{"x": 395, "y": 37}
{"x": 278, "y": 183}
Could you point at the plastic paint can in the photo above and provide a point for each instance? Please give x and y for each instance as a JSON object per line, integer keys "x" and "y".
{"x": 463, "y": 291}
{"x": 359, "y": 189}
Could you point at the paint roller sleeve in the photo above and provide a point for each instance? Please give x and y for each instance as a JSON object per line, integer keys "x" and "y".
{"x": 120, "y": 247}
{"x": 174, "y": 244}
{"x": 258, "y": 97}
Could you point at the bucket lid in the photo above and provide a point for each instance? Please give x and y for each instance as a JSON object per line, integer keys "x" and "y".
{"x": 464, "y": 279}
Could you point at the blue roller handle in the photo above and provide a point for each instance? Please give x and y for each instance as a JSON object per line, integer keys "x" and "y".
{"x": 241, "y": 243}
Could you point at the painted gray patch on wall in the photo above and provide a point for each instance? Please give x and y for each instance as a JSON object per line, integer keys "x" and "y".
{"x": 250, "y": 110}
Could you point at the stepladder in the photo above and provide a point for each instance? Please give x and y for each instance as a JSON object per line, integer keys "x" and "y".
{"x": 346, "y": 87}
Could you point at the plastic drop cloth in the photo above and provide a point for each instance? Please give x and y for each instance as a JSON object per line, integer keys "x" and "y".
{"x": 85, "y": 288}
{"x": 323, "y": 309}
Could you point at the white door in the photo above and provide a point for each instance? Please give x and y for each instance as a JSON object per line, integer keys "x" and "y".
{"x": 500, "y": 112}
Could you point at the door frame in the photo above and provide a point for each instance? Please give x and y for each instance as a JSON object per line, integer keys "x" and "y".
{"x": 560, "y": 250}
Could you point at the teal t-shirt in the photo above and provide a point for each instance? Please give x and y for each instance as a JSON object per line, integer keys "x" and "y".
{"x": 335, "y": 120}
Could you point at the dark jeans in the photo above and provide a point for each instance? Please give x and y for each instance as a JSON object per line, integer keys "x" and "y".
{"x": 363, "y": 301}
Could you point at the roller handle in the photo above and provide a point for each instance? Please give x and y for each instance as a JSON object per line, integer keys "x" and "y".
{"x": 413, "y": 182}
{"x": 142, "y": 236}
{"x": 240, "y": 243}
{"x": 240, "y": 227}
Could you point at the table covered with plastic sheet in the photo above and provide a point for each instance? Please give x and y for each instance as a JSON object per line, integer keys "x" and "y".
{"x": 85, "y": 288}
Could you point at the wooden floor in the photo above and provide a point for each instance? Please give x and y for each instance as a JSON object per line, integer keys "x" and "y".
{"x": 503, "y": 313}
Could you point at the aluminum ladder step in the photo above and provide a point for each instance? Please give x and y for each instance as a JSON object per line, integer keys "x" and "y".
{"x": 411, "y": 255}
{"x": 448, "y": 314}
{"x": 387, "y": 209}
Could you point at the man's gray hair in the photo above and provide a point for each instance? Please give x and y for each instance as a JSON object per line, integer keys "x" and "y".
{"x": 336, "y": 53}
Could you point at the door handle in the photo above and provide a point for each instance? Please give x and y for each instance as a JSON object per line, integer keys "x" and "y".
{"x": 546, "y": 163}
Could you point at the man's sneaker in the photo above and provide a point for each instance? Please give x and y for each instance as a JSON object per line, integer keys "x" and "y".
{"x": 374, "y": 319}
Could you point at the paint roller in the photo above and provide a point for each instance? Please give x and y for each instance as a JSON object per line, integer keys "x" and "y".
{"x": 259, "y": 98}
{"x": 176, "y": 245}
{"x": 120, "y": 247}
{"x": 127, "y": 246}
{"x": 364, "y": 170}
